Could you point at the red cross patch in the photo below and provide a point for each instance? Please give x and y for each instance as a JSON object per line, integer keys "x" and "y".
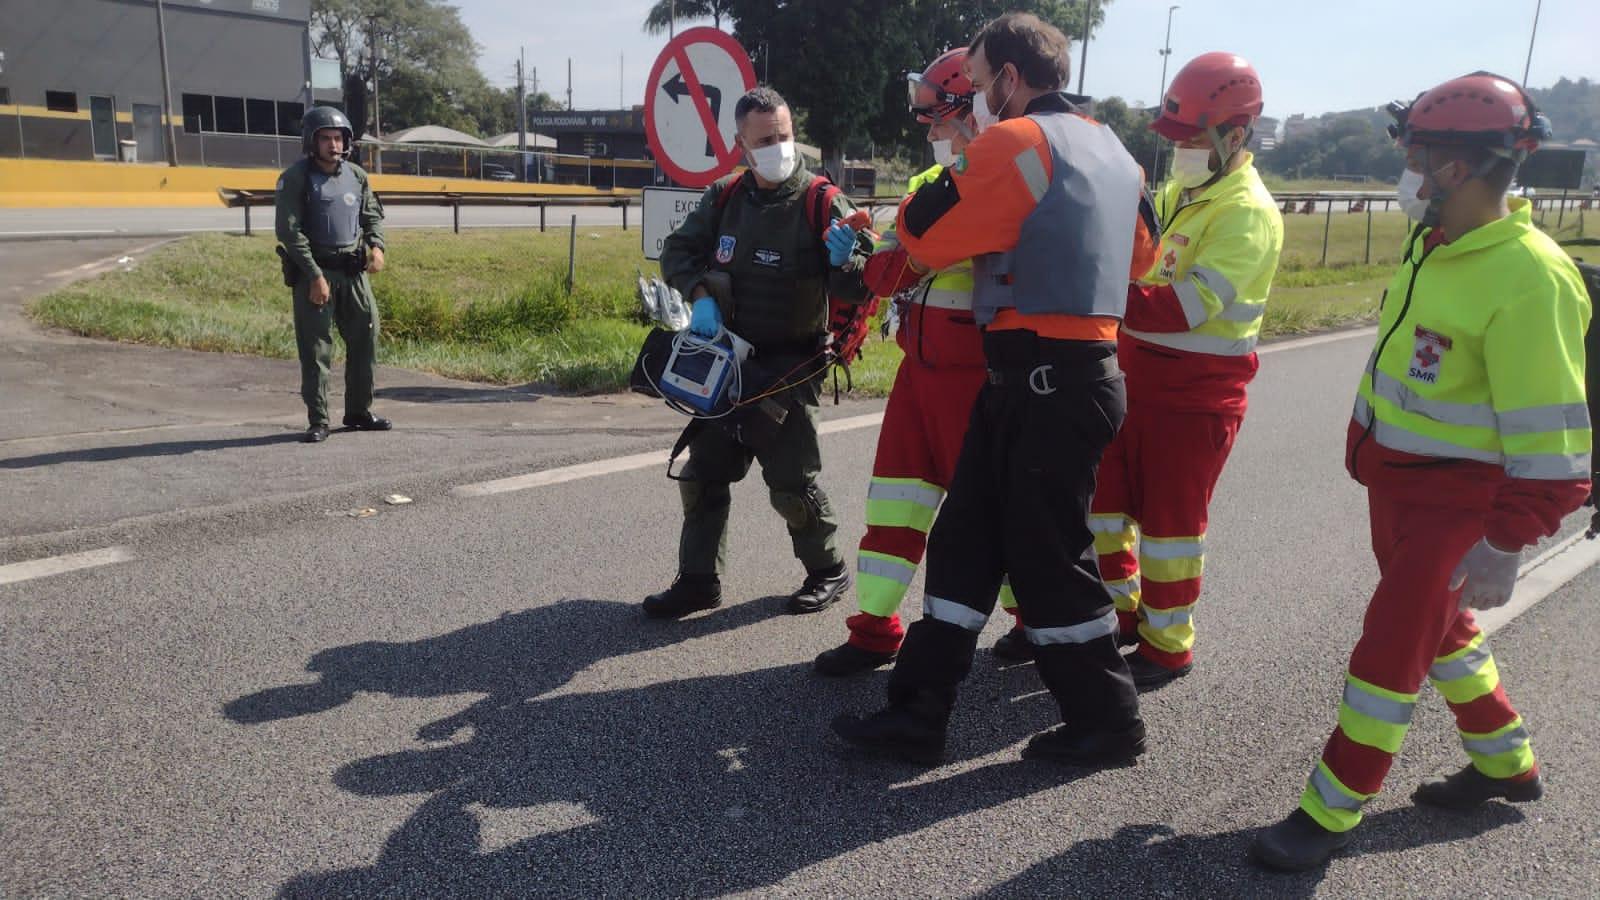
{"x": 1427, "y": 356}
{"x": 1169, "y": 264}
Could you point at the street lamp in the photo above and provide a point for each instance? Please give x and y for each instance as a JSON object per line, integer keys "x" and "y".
{"x": 1161, "y": 98}
{"x": 1529, "y": 64}
{"x": 1088, "y": 24}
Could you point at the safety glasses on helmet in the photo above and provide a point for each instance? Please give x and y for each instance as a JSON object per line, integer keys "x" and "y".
{"x": 929, "y": 100}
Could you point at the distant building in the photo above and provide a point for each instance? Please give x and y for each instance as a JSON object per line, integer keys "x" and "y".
{"x": 1298, "y": 125}
{"x": 81, "y": 76}
{"x": 1265, "y": 137}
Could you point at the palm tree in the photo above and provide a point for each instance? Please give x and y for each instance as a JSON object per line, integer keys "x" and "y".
{"x": 662, "y": 14}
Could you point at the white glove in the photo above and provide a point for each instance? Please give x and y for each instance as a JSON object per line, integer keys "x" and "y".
{"x": 1489, "y": 573}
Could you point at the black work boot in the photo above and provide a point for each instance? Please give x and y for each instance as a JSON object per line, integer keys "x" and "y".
{"x": 689, "y": 593}
{"x": 316, "y": 434}
{"x": 1469, "y": 788}
{"x": 821, "y": 589}
{"x": 912, "y": 730}
{"x": 367, "y": 422}
{"x": 1149, "y": 675}
{"x": 1090, "y": 749}
{"x": 1297, "y": 843}
{"x": 848, "y": 659}
{"x": 1014, "y": 646}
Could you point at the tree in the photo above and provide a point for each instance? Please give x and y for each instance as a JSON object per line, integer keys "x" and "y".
{"x": 662, "y": 15}
{"x": 427, "y": 64}
{"x": 842, "y": 62}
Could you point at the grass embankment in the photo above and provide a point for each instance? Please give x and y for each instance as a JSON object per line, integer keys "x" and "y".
{"x": 491, "y": 306}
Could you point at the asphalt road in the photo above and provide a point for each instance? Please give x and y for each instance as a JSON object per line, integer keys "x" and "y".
{"x": 459, "y": 695}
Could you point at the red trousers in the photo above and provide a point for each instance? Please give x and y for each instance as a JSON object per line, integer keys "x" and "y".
{"x": 1156, "y": 482}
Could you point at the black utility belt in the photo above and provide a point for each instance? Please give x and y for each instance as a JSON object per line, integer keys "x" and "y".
{"x": 350, "y": 262}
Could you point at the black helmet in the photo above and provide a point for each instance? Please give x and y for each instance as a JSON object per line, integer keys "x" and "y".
{"x": 318, "y": 118}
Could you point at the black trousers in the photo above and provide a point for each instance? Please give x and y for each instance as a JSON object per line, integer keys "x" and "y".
{"x": 1019, "y": 505}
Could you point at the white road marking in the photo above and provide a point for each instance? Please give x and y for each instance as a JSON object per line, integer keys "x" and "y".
{"x": 1543, "y": 577}
{"x": 1314, "y": 340}
{"x": 57, "y": 565}
{"x": 620, "y": 464}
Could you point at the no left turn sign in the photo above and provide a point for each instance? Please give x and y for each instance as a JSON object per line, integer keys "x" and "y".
{"x": 688, "y": 105}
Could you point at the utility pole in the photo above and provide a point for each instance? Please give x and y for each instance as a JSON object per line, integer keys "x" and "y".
{"x": 166, "y": 85}
{"x": 672, "y": 17}
{"x": 569, "y": 84}
{"x": 1088, "y": 23}
{"x": 622, "y": 78}
{"x": 1529, "y": 65}
{"x": 1161, "y": 98}
{"x": 522, "y": 114}
{"x": 372, "y": 41}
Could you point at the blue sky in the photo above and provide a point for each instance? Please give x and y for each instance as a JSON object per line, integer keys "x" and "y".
{"x": 1313, "y": 57}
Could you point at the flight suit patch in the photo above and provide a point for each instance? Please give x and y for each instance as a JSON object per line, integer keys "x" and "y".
{"x": 725, "y": 248}
{"x": 772, "y": 259}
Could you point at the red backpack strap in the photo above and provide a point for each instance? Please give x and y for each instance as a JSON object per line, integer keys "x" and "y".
{"x": 819, "y": 203}
{"x": 728, "y": 190}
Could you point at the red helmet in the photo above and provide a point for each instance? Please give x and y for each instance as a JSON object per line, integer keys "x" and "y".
{"x": 1212, "y": 90}
{"x": 1477, "y": 110}
{"x": 942, "y": 90}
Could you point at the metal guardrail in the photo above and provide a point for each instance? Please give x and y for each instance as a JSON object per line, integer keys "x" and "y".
{"x": 245, "y": 199}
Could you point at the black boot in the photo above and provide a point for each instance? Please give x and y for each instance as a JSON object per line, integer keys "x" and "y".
{"x": 1148, "y": 675}
{"x": 1469, "y": 788}
{"x": 1014, "y": 646}
{"x": 367, "y": 422}
{"x": 848, "y": 659}
{"x": 1090, "y": 749}
{"x": 1296, "y": 843}
{"x": 316, "y": 434}
{"x": 912, "y": 730}
{"x": 689, "y": 593}
{"x": 821, "y": 589}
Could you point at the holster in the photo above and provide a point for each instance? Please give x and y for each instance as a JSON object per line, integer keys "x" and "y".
{"x": 291, "y": 272}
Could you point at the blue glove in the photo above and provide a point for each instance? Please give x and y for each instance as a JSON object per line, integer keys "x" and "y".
{"x": 704, "y": 318}
{"x": 841, "y": 240}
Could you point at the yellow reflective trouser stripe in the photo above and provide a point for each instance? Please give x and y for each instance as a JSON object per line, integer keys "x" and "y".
{"x": 1503, "y": 753}
{"x": 1467, "y": 674}
{"x": 1008, "y": 597}
{"x": 881, "y": 582}
{"x": 1326, "y": 799}
{"x": 1125, "y": 593}
{"x": 903, "y": 503}
{"x": 1172, "y": 559}
{"x": 1373, "y": 716}
{"x": 1113, "y": 533}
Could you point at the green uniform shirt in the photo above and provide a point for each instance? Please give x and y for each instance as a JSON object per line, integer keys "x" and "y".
{"x": 774, "y": 256}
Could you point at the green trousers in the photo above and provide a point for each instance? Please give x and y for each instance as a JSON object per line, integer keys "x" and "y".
{"x": 354, "y": 310}
{"x": 790, "y": 466}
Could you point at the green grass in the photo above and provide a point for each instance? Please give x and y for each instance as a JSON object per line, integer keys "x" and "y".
{"x": 491, "y": 306}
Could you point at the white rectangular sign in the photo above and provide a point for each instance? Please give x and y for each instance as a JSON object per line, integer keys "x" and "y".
{"x": 664, "y": 210}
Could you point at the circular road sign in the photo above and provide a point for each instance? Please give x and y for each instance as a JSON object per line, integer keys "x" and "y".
{"x": 688, "y": 105}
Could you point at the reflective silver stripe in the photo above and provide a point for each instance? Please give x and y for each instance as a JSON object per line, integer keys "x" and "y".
{"x": 1243, "y": 312}
{"x": 1332, "y": 797}
{"x": 1080, "y": 633}
{"x": 1125, "y": 587}
{"x": 883, "y": 568}
{"x": 1396, "y": 438}
{"x": 1460, "y": 667}
{"x": 953, "y": 612}
{"x": 1215, "y": 282}
{"x": 1187, "y": 549}
{"x": 1467, "y": 415}
{"x": 1194, "y": 306}
{"x": 910, "y": 493}
{"x": 1548, "y": 466}
{"x": 1033, "y": 173}
{"x": 1504, "y": 743}
{"x": 1383, "y": 709}
{"x": 1190, "y": 342}
{"x": 1363, "y": 411}
{"x": 1110, "y": 524}
{"x": 1157, "y": 618}
{"x": 944, "y": 298}
{"x": 1540, "y": 419}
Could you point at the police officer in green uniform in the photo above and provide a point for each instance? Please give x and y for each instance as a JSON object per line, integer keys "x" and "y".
{"x": 330, "y": 226}
{"x": 781, "y": 273}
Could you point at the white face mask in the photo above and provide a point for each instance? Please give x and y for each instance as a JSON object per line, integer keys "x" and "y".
{"x": 982, "y": 114}
{"x": 944, "y": 152}
{"x": 1191, "y": 167}
{"x": 775, "y": 162}
{"x": 1406, "y": 192}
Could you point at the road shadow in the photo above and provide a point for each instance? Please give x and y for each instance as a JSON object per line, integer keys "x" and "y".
{"x": 686, "y": 786}
{"x": 1153, "y": 860}
{"x": 445, "y": 394}
{"x": 138, "y": 451}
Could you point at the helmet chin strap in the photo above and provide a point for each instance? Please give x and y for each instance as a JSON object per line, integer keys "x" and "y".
{"x": 1223, "y": 159}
